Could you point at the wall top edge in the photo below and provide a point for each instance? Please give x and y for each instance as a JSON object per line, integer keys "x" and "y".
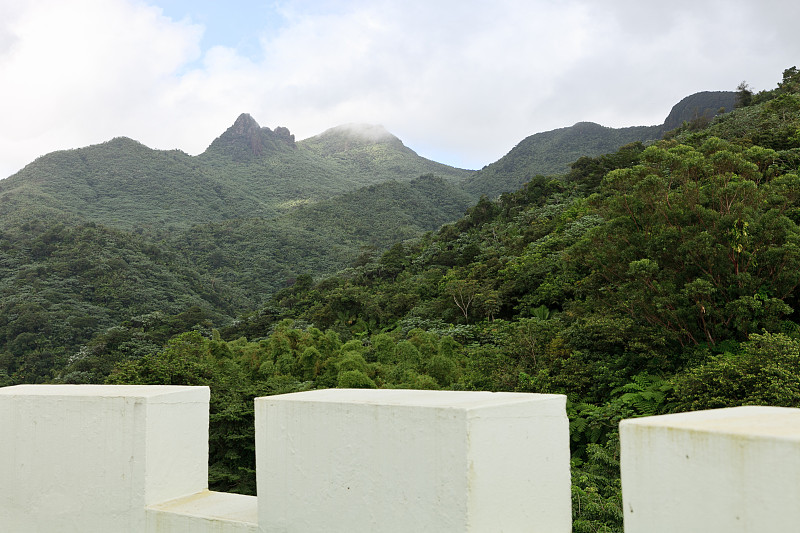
{"x": 107, "y": 391}
{"x": 416, "y": 398}
{"x": 753, "y": 421}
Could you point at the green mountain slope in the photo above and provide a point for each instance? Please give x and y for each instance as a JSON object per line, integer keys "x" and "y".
{"x": 62, "y": 284}
{"x": 247, "y": 172}
{"x": 120, "y": 183}
{"x": 254, "y": 212}
{"x": 371, "y": 151}
{"x": 552, "y": 152}
{"x": 257, "y": 256}
{"x": 99, "y": 235}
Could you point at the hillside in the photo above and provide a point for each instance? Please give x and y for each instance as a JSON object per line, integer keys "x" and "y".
{"x": 225, "y": 229}
{"x": 252, "y": 171}
{"x": 369, "y": 150}
{"x": 61, "y": 284}
{"x": 256, "y": 257}
{"x": 247, "y": 172}
{"x": 119, "y": 183}
{"x": 95, "y": 236}
{"x": 552, "y": 152}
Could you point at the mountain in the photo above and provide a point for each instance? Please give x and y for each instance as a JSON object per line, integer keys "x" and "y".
{"x": 248, "y": 171}
{"x": 699, "y": 106}
{"x": 119, "y": 230}
{"x": 270, "y": 167}
{"x": 245, "y": 140}
{"x": 119, "y": 183}
{"x": 552, "y": 152}
{"x": 370, "y": 150}
{"x": 253, "y": 171}
{"x": 95, "y": 236}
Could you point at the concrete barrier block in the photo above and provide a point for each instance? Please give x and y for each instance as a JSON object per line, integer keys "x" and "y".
{"x": 85, "y": 458}
{"x": 342, "y": 460}
{"x": 726, "y": 470}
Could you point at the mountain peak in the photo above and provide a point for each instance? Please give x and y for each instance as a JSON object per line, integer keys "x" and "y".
{"x": 364, "y": 132}
{"x": 246, "y": 140}
{"x": 244, "y": 125}
{"x": 703, "y": 105}
{"x": 348, "y": 137}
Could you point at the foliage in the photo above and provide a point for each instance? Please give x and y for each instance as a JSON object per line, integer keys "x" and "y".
{"x": 764, "y": 371}
{"x": 596, "y": 491}
{"x": 551, "y": 153}
{"x": 698, "y": 241}
{"x": 63, "y": 284}
{"x": 657, "y": 278}
{"x": 248, "y": 172}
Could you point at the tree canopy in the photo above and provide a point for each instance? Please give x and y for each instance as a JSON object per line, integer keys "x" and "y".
{"x": 656, "y": 278}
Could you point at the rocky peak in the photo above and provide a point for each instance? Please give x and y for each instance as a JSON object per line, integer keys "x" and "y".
{"x": 245, "y": 125}
{"x": 245, "y": 139}
{"x": 285, "y": 135}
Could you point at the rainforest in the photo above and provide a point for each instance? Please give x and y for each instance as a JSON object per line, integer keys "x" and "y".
{"x": 640, "y": 271}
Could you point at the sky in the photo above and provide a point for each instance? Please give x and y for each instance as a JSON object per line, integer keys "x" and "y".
{"x": 458, "y": 81}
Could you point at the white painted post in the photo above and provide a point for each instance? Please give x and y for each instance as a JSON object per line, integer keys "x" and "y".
{"x": 727, "y": 470}
{"x": 412, "y": 461}
{"x": 90, "y": 458}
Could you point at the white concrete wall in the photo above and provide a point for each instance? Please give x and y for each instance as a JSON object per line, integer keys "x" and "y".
{"x": 721, "y": 471}
{"x": 130, "y": 459}
{"x": 412, "y": 461}
{"x": 88, "y": 459}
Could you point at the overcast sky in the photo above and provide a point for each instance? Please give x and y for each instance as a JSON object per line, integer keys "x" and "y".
{"x": 459, "y": 81}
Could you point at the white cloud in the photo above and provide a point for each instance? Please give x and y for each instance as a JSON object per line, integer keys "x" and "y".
{"x": 465, "y": 80}
{"x": 83, "y": 71}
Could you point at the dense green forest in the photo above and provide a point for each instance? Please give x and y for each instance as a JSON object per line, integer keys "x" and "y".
{"x": 99, "y": 235}
{"x": 659, "y": 277}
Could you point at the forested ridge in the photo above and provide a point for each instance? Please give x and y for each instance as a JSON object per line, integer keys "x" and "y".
{"x": 93, "y": 236}
{"x": 656, "y": 278}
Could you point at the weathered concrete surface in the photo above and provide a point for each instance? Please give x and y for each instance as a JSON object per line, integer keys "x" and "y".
{"x": 726, "y": 470}
{"x": 398, "y": 460}
{"x": 205, "y": 512}
{"x": 89, "y": 458}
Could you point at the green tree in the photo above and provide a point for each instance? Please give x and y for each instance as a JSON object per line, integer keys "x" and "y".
{"x": 764, "y": 371}
{"x": 744, "y": 95}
